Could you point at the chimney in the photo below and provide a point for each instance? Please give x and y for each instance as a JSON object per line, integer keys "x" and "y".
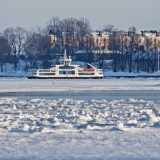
{"x": 151, "y": 31}
{"x": 50, "y": 32}
{"x": 157, "y": 34}
{"x": 129, "y": 33}
{"x": 100, "y": 33}
{"x": 143, "y": 33}
{"x": 114, "y": 33}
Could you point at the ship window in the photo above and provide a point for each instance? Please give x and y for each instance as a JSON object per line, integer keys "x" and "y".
{"x": 67, "y": 72}
{"x": 46, "y": 74}
{"x": 44, "y": 70}
{"x": 71, "y": 72}
{"x": 66, "y": 67}
{"x": 62, "y": 72}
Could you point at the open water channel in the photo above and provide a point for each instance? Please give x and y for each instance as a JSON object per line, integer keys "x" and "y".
{"x": 86, "y": 95}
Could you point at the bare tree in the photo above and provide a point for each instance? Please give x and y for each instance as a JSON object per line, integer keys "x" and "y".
{"x": 131, "y": 48}
{"x": 70, "y": 31}
{"x": 101, "y": 47}
{"x": 16, "y": 39}
{"x": 108, "y": 28}
{"x": 31, "y": 49}
{"x": 39, "y": 47}
{"x": 154, "y": 57}
{"x": 149, "y": 48}
{"x": 132, "y": 29}
{"x": 4, "y": 49}
{"x": 84, "y": 28}
{"x": 45, "y": 50}
{"x": 53, "y": 25}
{"x": 89, "y": 53}
{"x": 114, "y": 47}
{"x": 139, "y": 54}
{"x": 73, "y": 33}
{"x": 123, "y": 46}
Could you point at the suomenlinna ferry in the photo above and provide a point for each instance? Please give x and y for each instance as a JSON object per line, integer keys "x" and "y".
{"x": 65, "y": 71}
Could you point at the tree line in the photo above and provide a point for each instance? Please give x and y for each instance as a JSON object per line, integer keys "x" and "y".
{"x": 128, "y": 50}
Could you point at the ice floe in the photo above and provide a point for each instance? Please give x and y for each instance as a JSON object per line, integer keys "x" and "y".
{"x": 40, "y": 115}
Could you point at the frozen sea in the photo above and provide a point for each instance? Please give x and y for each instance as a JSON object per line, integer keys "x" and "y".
{"x": 79, "y": 119}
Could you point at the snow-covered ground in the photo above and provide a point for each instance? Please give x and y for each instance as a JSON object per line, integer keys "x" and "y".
{"x": 79, "y": 129}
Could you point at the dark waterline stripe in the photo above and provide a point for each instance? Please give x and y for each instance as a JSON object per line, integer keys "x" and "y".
{"x": 107, "y": 94}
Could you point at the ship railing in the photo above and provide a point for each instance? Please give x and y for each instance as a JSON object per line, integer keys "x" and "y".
{"x": 66, "y": 69}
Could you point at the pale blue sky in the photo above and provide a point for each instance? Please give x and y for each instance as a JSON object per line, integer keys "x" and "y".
{"x": 144, "y": 14}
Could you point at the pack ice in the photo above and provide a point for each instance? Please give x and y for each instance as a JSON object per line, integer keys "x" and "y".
{"x": 40, "y": 115}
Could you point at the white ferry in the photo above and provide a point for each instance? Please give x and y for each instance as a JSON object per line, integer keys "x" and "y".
{"x": 65, "y": 71}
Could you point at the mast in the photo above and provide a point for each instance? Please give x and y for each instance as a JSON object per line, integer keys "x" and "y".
{"x": 65, "y": 55}
{"x": 66, "y": 60}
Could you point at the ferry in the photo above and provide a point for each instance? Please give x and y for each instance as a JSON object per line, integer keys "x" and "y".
{"x": 66, "y": 71}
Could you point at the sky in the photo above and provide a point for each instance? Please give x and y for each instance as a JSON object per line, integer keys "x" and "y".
{"x": 143, "y": 14}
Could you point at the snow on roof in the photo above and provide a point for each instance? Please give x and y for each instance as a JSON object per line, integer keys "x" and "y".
{"x": 12, "y": 54}
{"x": 150, "y": 34}
{"x": 144, "y": 55}
{"x": 93, "y": 51}
{"x": 108, "y": 61}
{"x": 57, "y": 54}
{"x": 96, "y": 33}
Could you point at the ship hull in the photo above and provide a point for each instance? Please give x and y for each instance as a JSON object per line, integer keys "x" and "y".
{"x": 38, "y": 77}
